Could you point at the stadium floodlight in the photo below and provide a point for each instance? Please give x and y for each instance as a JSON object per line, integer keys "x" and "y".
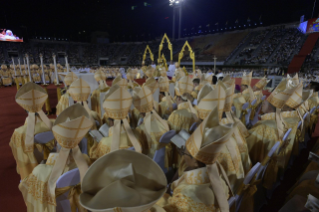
{"x": 176, "y": 4}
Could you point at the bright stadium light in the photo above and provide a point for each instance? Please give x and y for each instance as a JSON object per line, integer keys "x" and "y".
{"x": 177, "y": 5}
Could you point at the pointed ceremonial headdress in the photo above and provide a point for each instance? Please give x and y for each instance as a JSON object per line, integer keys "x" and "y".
{"x": 117, "y": 104}
{"x": 69, "y": 129}
{"x": 32, "y": 97}
{"x": 262, "y": 83}
{"x": 246, "y": 79}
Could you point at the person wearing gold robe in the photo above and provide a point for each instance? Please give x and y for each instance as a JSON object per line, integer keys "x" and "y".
{"x": 5, "y": 76}
{"x": 117, "y": 104}
{"x": 28, "y": 154}
{"x": 80, "y": 91}
{"x": 122, "y": 83}
{"x": 99, "y": 76}
{"x": 39, "y": 187}
{"x": 185, "y": 115}
{"x": 34, "y": 73}
{"x": 272, "y": 127}
{"x": 46, "y": 73}
{"x": 213, "y": 172}
{"x": 246, "y": 89}
{"x": 64, "y": 100}
{"x": 178, "y": 74}
{"x": 153, "y": 126}
{"x": 166, "y": 101}
{"x": 128, "y": 187}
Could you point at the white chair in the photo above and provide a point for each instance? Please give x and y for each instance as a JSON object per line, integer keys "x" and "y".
{"x": 233, "y": 108}
{"x": 195, "y": 102}
{"x": 255, "y": 120}
{"x": 251, "y": 174}
{"x": 70, "y": 178}
{"x": 84, "y": 146}
{"x": 42, "y": 138}
{"x": 245, "y": 107}
{"x": 159, "y": 156}
{"x": 193, "y": 127}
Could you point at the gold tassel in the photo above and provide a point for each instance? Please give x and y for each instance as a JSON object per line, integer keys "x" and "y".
{"x": 47, "y": 102}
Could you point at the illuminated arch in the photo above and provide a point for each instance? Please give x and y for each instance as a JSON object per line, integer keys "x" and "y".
{"x": 164, "y": 61}
{"x": 191, "y": 54}
{"x": 147, "y": 49}
{"x": 170, "y": 47}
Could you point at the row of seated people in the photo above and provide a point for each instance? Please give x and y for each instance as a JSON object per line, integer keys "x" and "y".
{"x": 187, "y": 152}
{"x": 20, "y": 74}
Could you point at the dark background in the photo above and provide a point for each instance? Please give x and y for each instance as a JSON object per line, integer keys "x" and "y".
{"x": 66, "y": 18}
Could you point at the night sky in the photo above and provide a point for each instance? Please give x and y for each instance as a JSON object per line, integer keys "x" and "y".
{"x": 66, "y": 18}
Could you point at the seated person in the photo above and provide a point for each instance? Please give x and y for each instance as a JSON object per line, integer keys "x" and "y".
{"x": 31, "y": 97}
{"x": 185, "y": 115}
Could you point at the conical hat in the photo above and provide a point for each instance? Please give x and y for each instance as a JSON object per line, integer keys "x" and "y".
{"x": 163, "y": 84}
{"x": 295, "y": 99}
{"x": 206, "y": 147}
{"x": 117, "y": 102}
{"x": 246, "y": 80}
{"x": 71, "y": 126}
{"x": 262, "y": 83}
{"x": 184, "y": 85}
{"x": 4, "y": 66}
{"x": 215, "y": 98}
{"x": 120, "y": 81}
{"x": 70, "y": 78}
{"x": 31, "y": 97}
{"x": 98, "y": 75}
{"x": 143, "y": 99}
{"x": 118, "y": 182}
{"x": 80, "y": 90}
{"x": 151, "y": 84}
{"x": 281, "y": 94}
{"x": 206, "y": 89}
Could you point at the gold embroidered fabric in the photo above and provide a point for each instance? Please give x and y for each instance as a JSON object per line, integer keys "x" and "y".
{"x": 34, "y": 187}
{"x": 181, "y": 119}
{"x": 239, "y": 101}
{"x": 63, "y": 103}
{"x": 193, "y": 192}
{"x": 26, "y": 161}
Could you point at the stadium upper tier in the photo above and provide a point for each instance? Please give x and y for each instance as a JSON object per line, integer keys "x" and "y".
{"x": 270, "y": 45}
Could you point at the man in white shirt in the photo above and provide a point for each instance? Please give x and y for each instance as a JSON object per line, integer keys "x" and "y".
{"x": 171, "y": 69}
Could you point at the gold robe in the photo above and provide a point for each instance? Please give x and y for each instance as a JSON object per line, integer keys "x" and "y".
{"x": 95, "y": 100}
{"x": 182, "y": 118}
{"x": 192, "y": 192}
{"x": 63, "y": 103}
{"x": 104, "y": 146}
{"x": 27, "y": 161}
{"x": 153, "y": 139}
{"x": 240, "y": 134}
{"x": 262, "y": 138}
{"x": 164, "y": 109}
{"x": 239, "y": 101}
{"x": 34, "y": 187}
{"x": 258, "y": 95}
